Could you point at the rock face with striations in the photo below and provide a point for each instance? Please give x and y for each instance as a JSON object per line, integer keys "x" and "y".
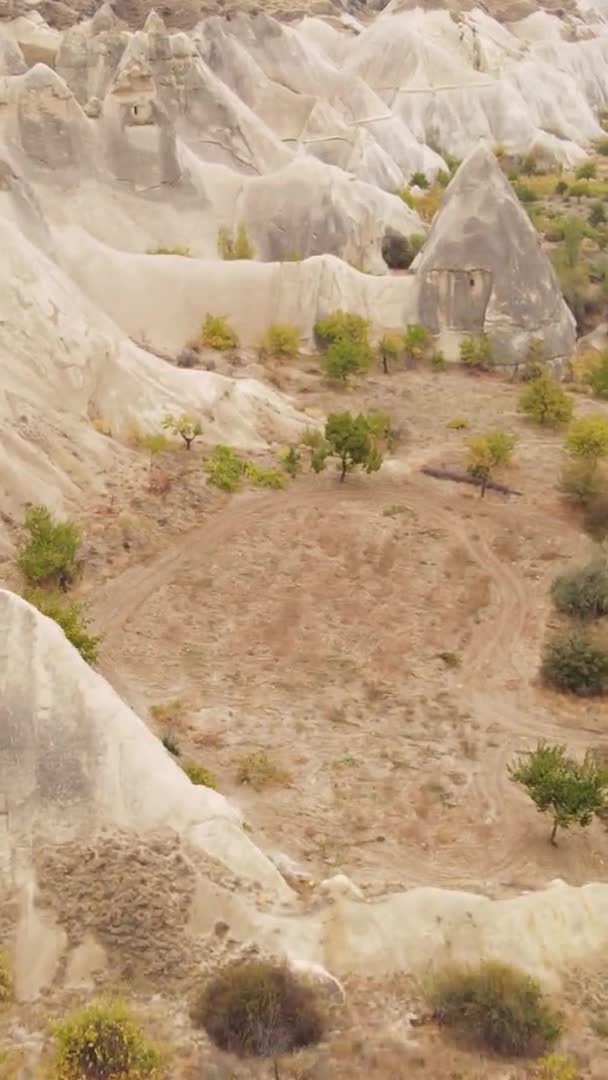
{"x": 483, "y": 269}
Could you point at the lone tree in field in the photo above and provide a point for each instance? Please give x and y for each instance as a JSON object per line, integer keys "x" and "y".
{"x": 48, "y": 556}
{"x": 185, "y": 425}
{"x": 487, "y": 453}
{"x": 259, "y": 1009}
{"x": 571, "y": 791}
{"x": 351, "y": 439}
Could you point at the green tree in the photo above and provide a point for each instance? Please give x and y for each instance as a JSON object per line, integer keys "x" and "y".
{"x": 185, "y": 425}
{"x": 586, "y": 171}
{"x": 587, "y": 438}
{"x": 487, "y": 453}
{"x": 48, "y": 556}
{"x": 415, "y": 342}
{"x": 344, "y": 358}
{"x": 543, "y": 401}
{"x": 352, "y": 440}
{"x": 571, "y": 792}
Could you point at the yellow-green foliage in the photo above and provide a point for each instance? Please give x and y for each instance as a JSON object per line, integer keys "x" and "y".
{"x": 199, "y": 774}
{"x": 545, "y": 402}
{"x": 282, "y": 339}
{"x": 6, "y": 979}
{"x": 556, "y": 1067}
{"x": 49, "y": 555}
{"x": 260, "y": 771}
{"x": 496, "y": 1007}
{"x": 69, "y": 616}
{"x": 416, "y": 341}
{"x": 216, "y": 333}
{"x": 237, "y": 246}
{"x": 342, "y": 326}
{"x": 427, "y": 204}
{"x": 587, "y": 438}
{"x": 458, "y": 423}
{"x": 490, "y": 451}
{"x": 189, "y": 427}
{"x": 102, "y": 1041}
{"x": 476, "y": 352}
{"x": 389, "y": 346}
{"x": 177, "y": 250}
{"x": 227, "y": 470}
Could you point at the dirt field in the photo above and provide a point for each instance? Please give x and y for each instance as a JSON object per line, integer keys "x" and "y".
{"x": 377, "y": 640}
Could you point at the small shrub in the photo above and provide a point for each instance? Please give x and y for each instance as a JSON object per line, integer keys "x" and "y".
{"x": 260, "y": 771}
{"x": 49, "y": 555}
{"x": 555, "y": 1067}
{"x": 438, "y": 361}
{"x": 258, "y": 1009}
{"x": 399, "y": 251}
{"x": 188, "y": 427}
{"x": 171, "y": 744}
{"x": 185, "y": 252}
{"x": 575, "y": 663}
{"x": 102, "y": 1041}
{"x": 586, "y": 171}
{"x": 290, "y": 460}
{"x": 587, "y": 438}
{"x": 497, "y": 1007}
{"x": 69, "y": 616}
{"x": 216, "y": 333}
{"x": 545, "y": 402}
{"x": 597, "y": 215}
{"x": 344, "y": 358}
{"x": 6, "y": 979}
{"x": 458, "y": 423}
{"x": 389, "y": 347}
{"x": 583, "y": 592}
{"x": 342, "y": 326}
{"x": 524, "y": 192}
{"x": 596, "y": 513}
{"x": 415, "y": 342}
{"x": 601, "y": 145}
{"x": 282, "y": 340}
{"x": 418, "y": 179}
{"x": 199, "y": 774}
{"x": 561, "y": 187}
{"x": 476, "y": 353}
{"x": 225, "y": 468}
{"x": 234, "y": 247}
{"x": 599, "y": 376}
{"x": 264, "y": 476}
{"x": 168, "y": 712}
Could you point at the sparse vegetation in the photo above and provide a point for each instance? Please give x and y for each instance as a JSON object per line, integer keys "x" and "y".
{"x": 259, "y": 771}
{"x": 418, "y": 179}
{"x": 102, "y": 1041}
{"x": 576, "y": 663}
{"x": 476, "y": 353}
{"x": 226, "y": 469}
{"x": 352, "y": 440}
{"x": 587, "y": 438}
{"x": 389, "y": 347}
{"x": 488, "y": 452}
{"x": 188, "y": 427}
{"x": 68, "y": 614}
{"x": 341, "y": 325}
{"x": 555, "y": 1067}
{"x": 234, "y": 246}
{"x": 496, "y": 1007}
{"x": 415, "y": 342}
{"x": 282, "y": 340}
{"x": 48, "y": 557}
{"x": 545, "y": 402}
{"x": 178, "y": 249}
{"x": 571, "y": 792}
{"x": 458, "y": 423}
{"x": 583, "y": 592}
{"x": 259, "y": 1009}
{"x": 216, "y": 333}
{"x": 199, "y": 774}
{"x": 599, "y": 376}
{"x": 6, "y": 979}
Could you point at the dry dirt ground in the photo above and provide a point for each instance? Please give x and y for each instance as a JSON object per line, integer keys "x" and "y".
{"x": 377, "y": 640}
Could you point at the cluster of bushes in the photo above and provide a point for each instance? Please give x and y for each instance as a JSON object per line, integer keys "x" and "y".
{"x": 226, "y": 469}
{"x": 576, "y": 660}
{"x": 48, "y": 561}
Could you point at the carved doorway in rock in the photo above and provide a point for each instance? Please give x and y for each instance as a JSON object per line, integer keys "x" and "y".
{"x": 455, "y": 299}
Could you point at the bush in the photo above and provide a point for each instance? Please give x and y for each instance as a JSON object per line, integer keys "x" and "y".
{"x": 476, "y": 353}
{"x": 282, "y": 340}
{"x": 216, "y": 333}
{"x": 596, "y": 514}
{"x": 575, "y": 663}
{"x": 49, "y": 556}
{"x": 415, "y": 342}
{"x": 345, "y": 357}
{"x": 6, "y": 979}
{"x": 601, "y": 145}
{"x": 458, "y": 423}
{"x": 587, "y": 438}
{"x": 342, "y": 326}
{"x": 545, "y": 402}
{"x": 580, "y": 482}
{"x": 556, "y": 1067}
{"x": 177, "y": 250}
{"x": 389, "y": 347}
{"x": 583, "y": 592}
{"x": 586, "y": 171}
{"x": 69, "y": 616}
{"x": 399, "y": 251}
{"x": 199, "y": 774}
{"x": 234, "y": 247}
{"x": 524, "y": 192}
{"x": 102, "y": 1041}
{"x": 260, "y": 771}
{"x": 264, "y": 476}
{"x": 496, "y": 1006}
{"x": 438, "y": 361}
{"x": 561, "y": 187}
{"x": 258, "y": 1009}
{"x": 225, "y": 468}
{"x": 597, "y": 215}
{"x": 599, "y": 376}
{"x": 418, "y": 179}
{"x": 188, "y": 427}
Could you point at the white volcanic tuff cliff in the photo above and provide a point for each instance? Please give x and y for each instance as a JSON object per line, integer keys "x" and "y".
{"x": 78, "y": 768}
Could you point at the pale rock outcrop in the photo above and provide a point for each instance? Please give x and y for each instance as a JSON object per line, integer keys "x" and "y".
{"x": 38, "y": 42}
{"x": 483, "y": 269}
